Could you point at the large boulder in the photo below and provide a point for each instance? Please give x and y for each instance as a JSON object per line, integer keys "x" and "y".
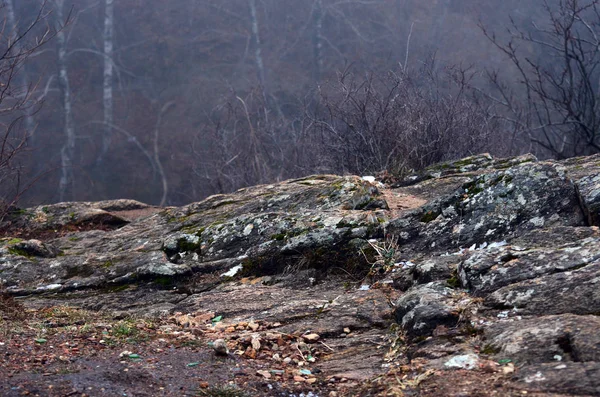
{"x": 490, "y": 207}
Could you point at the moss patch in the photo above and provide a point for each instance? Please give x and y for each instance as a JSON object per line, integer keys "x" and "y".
{"x": 13, "y": 241}
{"x": 429, "y": 216}
{"x": 19, "y": 252}
{"x": 489, "y": 350}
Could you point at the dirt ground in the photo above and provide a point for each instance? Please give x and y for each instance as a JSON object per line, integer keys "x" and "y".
{"x": 63, "y": 351}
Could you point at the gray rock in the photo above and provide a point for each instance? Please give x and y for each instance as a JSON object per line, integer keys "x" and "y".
{"x": 487, "y": 270}
{"x": 312, "y": 222}
{"x": 553, "y": 339}
{"x": 573, "y": 379}
{"x": 425, "y": 307}
{"x": 573, "y": 291}
{"x": 585, "y": 173}
{"x": 470, "y": 238}
{"x": 589, "y": 191}
{"x": 472, "y": 164}
{"x": 437, "y": 268}
{"x": 492, "y": 207}
{"x": 220, "y": 347}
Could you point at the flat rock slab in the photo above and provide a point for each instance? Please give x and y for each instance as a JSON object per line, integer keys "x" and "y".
{"x": 553, "y": 339}
{"x": 573, "y": 291}
{"x": 574, "y": 379}
{"x": 488, "y": 270}
{"x": 491, "y": 207}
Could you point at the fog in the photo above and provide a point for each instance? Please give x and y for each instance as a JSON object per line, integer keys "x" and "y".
{"x": 168, "y": 102}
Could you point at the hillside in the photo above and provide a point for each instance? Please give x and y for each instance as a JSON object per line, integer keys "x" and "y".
{"x": 473, "y": 277}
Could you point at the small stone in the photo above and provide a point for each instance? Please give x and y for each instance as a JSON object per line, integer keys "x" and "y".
{"x": 287, "y": 360}
{"x": 311, "y": 380}
{"x": 311, "y": 337}
{"x": 276, "y": 357}
{"x": 333, "y": 394}
{"x": 347, "y": 330}
{"x": 263, "y": 373}
{"x": 204, "y": 385}
{"x": 253, "y": 326}
{"x": 220, "y": 347}
{"x": 298, "y": 378}
{"x": 230, "y": 330}
{"x": 488, "y": 366}
{"x": 125, "y": 353}
{"x": 508, "y": 369}
{"x": 250, "y": 353}
{"x": 255, "y": 343}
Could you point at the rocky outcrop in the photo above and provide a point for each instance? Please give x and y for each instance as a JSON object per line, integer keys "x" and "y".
{"x": 484, "y": 265}
{"x": 310, "y": 223}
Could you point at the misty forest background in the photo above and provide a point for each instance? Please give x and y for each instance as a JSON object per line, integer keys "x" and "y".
{"x": 168, "y": 102}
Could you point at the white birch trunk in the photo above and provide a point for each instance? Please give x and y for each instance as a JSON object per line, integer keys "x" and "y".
{"x": 260, "y": 65}
{"x": 108, "y": 78}
{"x": 318, "y": 41}
{"x": 65, "y": 186}
{"x": 23, "y": 80}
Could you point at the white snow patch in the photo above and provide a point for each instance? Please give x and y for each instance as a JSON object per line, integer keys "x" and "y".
{"x": 490, "y": 232}
{"x": 248, "y": 229}
{"x": 466, "y": 361}
{"x": 538, "y": 377}
{"x": 538, "y": 221}
{"x": 233, "y": 271}
{"x": 497, "y": 244}
{"x": 49, "y": 287}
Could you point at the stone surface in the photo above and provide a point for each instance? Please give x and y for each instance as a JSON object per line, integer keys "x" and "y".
{"x": 492, "y": 265}
{"x": 574, "y": 292}
{"x": 553, "y": 339}
{"x": 491, "y": 207}
{"x": 426, "y": 307}
{"x": 266, "y": 229}
{"x": 489, "y": 269}
{"x": 578, "y": 379}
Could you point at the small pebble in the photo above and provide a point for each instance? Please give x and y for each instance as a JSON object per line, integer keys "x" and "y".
{"x": 220, "y": 347}
{"x": 311, "y": 337}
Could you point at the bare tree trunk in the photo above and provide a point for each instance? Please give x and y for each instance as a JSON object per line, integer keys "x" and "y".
{"x": 438, "y": 23}
{"x": 23, "y": 76}
{"x": 163, "y": 177}
{"x": 65, "y": 186}
{"x": 108, "y": 78}
{"x": 260, "y": 65}
{"x": 318, "y": 40}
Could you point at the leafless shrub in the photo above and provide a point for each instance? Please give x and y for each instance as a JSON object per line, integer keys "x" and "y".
{"x": 556, "y": 103}
{"x": 249, "y": 141}
{"x": 401, "y": 120}
{"x": 17, "y": 44}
